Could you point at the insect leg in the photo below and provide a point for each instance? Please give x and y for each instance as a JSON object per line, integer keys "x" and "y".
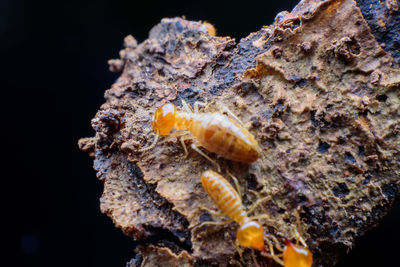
{"x": 257, "y": 203}
{"x": 259, "y": 193}
{"x": 272, "y": 254}
{"x": 277, "y": 244}
{"x": 194, "y": 147}
{"x": 300, "y": 238}
{"x": 257, "y": 217}
{"x": 182, "y": 139}
{"x": 238, "y": 263}
{"x": 184, "y": 136}
{"x": 179, "y": 133}
{"x": 151, "y": 146}
{"x": 230, "y": 113}
{"x": 213, "y": 212}
{"x": 213, "y": 223}
{"x": 274, "y": 257}
{"x": 197, "y": 104}
{"x": 253, "y": 255}
{"x": 239, "y": 250}
{"x": 235, "y": 180}
{"x": 296, "y": 232}
{"x": 186, "y": 107}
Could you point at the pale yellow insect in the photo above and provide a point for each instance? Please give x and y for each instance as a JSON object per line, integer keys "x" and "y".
{"x": 250, "y": 233}
{"x": 214, "y": 131}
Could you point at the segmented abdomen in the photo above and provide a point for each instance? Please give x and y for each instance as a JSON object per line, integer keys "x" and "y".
{"x": 218, "y": 134}
{"x": 223, "y": 195}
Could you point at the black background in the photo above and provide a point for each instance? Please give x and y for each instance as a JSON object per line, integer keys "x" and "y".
{"x": 54, "y": 73}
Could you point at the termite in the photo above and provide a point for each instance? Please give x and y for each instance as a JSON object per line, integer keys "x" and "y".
{"x": 295, "y": 255}
{"x": 250, "y": 232}
{"x": 213, "y": 131}
{"x": 210, "y": 28}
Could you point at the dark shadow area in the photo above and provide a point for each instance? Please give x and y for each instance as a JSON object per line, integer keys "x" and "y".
{"x": 378, "y": 246}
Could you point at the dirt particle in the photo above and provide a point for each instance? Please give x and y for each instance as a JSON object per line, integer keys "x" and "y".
{"x": 367, "y": 178}
{"x": 361, "y": 150}
{"x": 281, "y": 16}
{"x": 350, "y": 158}
{"x": 115, "y": 65}
{"x": 129, "y": 146}
{"x": 130, "y": 42}
{"x": 381, "y": 98}
{"x": 341, "y": 190}
{"x": 375, "y": 77}
{"x": 300, "y": 83}
{"x": 205, "y": 217}
{"x": 323, "y": 147}
{"x": 305, "y": 47}
{"x": 255, "y": 122}
{"x": 252, "y": 182}
{"x": 390, "y": 191}
{"x": 392, "y": 5}
{"x": 277, "y": 52}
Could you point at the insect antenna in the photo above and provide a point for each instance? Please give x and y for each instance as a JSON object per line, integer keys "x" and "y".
{"x": 152, "y": 145}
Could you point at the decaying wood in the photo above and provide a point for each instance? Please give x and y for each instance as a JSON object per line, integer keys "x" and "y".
{"x": 315, "y": 88}
{"x": 383, "y": 17}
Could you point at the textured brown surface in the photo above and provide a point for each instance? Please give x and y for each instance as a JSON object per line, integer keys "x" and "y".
{"x": 383, "y": 17}
{"x": 317, "y": 91}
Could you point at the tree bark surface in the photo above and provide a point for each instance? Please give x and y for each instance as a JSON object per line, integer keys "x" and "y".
{"x": 318, "y": 92}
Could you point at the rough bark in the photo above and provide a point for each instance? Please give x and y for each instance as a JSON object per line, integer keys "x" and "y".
{"x": 315, "y": 88}
{"x": 383, "y": 17}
